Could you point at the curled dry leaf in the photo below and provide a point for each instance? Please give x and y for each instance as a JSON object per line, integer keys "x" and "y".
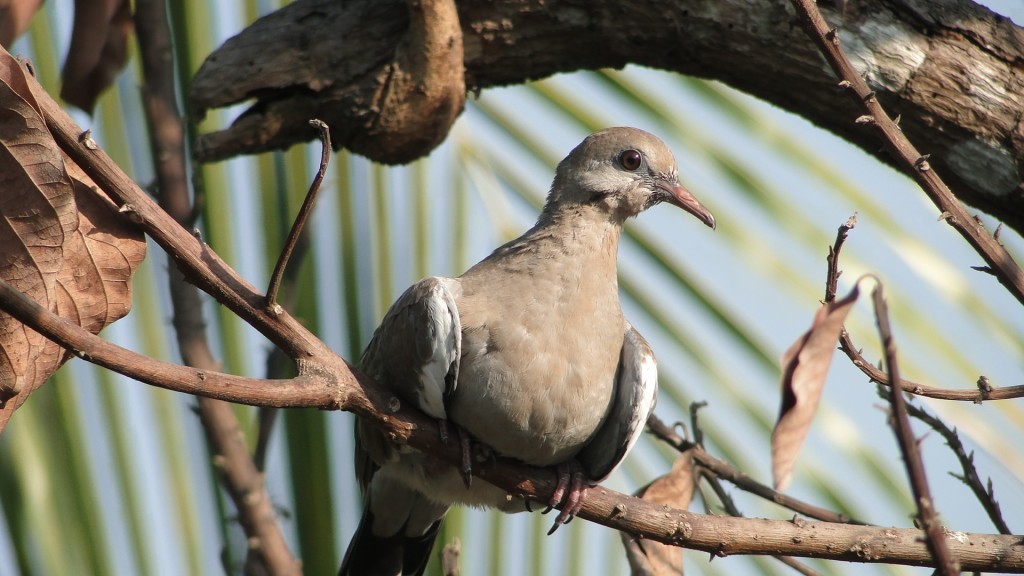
{"x": 62, "y": 243}
{"x": 804, "y": 368}
{"x": 98, "y": 50}
{"x": 675, "y": 489}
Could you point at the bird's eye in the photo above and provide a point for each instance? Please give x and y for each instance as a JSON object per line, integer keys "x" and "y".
{"x": 631, "y": 160}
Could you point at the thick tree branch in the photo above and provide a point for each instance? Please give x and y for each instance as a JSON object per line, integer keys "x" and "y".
{"x": 950, "y": 68}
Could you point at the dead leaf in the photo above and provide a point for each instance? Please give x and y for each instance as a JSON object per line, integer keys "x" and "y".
{"x": 15, "y": 16}
{"x": 675, "y": 489}
{"x": 98, "y": 50}
{"x": 804, "y": 368}
{"x": 39, "y": 214}
{"x": 62, "y": 242}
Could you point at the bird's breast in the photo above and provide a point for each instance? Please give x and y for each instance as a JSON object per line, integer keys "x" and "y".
{"x": 536, "y": 385}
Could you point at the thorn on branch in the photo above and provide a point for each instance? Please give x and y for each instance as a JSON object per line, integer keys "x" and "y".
{"x": 833, "y": 36}
{"x": 869, "y": 97}
{"x": 129, "y": 210}
{"x": 845, "y": 84}
{"x": 985, "y": 269}
{"x": 85, "y": 139}
{"x": 922, "y": 163}
{"x": 866, "y": 119}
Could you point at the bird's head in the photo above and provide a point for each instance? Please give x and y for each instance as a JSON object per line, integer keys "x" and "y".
{"x": 625, "y": 171}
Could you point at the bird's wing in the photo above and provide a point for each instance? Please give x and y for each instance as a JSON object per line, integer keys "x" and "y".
{"x": 416, "y": 349}
{"x": 414, "y": 353}
{"x": 636, "y": 392}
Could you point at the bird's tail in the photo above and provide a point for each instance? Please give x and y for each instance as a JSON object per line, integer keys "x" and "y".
{"x": 396, "y": 534}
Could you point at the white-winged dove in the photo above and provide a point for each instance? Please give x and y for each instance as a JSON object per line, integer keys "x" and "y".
{"x": 527, "y": 352}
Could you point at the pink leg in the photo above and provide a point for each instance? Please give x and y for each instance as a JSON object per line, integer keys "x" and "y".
{"x": 572, "y": 487}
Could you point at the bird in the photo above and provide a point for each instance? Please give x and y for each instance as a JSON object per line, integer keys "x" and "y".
{"x": 527, "y": 354}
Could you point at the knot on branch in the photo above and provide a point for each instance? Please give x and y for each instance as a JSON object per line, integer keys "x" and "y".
{"x": 389, "y": 90}
{"x": 421, "y": 91}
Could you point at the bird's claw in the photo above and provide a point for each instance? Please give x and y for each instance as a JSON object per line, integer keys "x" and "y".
{"x": 467, "y": 464}
{"x": 570, "y": 492}
{"x": 465, "y": 443}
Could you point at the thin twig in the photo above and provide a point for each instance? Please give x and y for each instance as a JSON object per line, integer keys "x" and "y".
{"x": 729, "y": 473}
{"x": 970, "y": 477}
{"x": 984, "y": 391}
{"x": 729, "y": 505}
{"x": 304, "y": 211}
{"x": 726, "y": 500}
{"x": 935, "y": 535}
{"x": 698, "y": 433}
{"x": 914, "y": 163}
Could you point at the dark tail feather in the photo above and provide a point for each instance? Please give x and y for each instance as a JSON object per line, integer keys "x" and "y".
{"x": 397, "y": 555}
{"x": 417, "y": 551}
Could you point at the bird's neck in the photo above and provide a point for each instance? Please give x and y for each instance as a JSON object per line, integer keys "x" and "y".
{"x": 578, "y": 243}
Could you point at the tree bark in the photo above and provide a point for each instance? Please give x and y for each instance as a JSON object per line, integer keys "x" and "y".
{"x": 953, "y": 70}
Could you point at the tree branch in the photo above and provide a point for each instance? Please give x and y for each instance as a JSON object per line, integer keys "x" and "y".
{"x": 912, "y": 162}
{"x": 951, "y": 68}
{"x": 935, "y": 533}
{"x": 985, "y": 390}
{"x": 267, "y": 552}
{"x": 303, "y": 391}
{"x": 722, "y": 536}
{"x": 985, "y": 495}
{"x": 727, "y": 472}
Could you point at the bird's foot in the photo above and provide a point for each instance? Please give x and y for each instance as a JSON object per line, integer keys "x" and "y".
{"x": 466, "y": 444}
{"x": 570, "y": 492}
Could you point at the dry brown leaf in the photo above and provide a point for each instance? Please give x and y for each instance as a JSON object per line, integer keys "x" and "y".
{"x": 62, "y": 243}
{"x": 98, "y": 50}
{"x": 99, "y": 260}
{"x": 37, "y": 203}
{"x": 804, "y": 368}
{"x": 15, "y": 16}
{"x": 675, "y": 489}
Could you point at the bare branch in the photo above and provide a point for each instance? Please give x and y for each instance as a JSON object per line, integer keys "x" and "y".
{"x": 984, "y": 391}
{"x": 970, "y": 477}
{"x": 302, "y": 391}
{"x": 727, "y": 472}
{"x": 304, "y": 212}
{"x": 927, "y": 515}
{"x": 913, "y": 162}
{"x": 267, "y": 551}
